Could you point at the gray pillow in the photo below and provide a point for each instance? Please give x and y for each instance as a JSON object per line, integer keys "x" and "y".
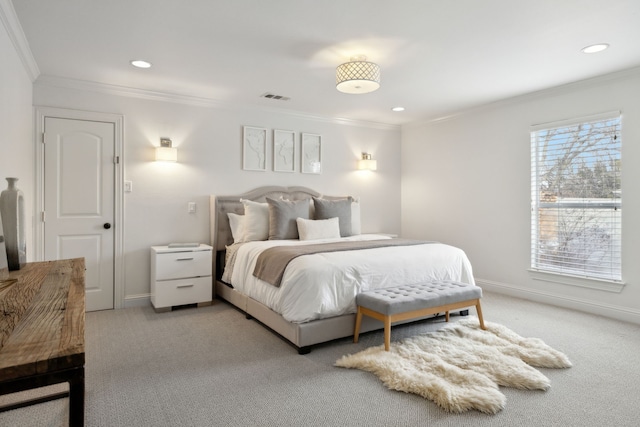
{"x": 341, "y": 209}
{"x": 283, "y": 215}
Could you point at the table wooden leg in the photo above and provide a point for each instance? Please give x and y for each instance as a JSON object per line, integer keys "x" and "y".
{"x": 76, "y": 399}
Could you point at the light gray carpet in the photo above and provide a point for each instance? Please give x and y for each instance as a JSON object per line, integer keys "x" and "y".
{"x": 212, "y": 367}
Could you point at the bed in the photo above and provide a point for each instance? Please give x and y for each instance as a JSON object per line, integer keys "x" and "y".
{"x": 312, "y": 299}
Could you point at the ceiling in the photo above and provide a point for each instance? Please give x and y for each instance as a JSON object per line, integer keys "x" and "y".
{"x": 436, "y": 57}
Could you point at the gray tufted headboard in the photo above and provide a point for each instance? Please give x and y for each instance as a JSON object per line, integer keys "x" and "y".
{"x": 220, "y": 206}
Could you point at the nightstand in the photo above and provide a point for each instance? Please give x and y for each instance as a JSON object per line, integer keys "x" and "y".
{"x": 181, "y": 276}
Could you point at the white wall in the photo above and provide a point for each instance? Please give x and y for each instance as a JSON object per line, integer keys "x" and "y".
{"x": 16, "y": 127}
{"x": 466, "y": 181}
{"x": 209, "y": 152}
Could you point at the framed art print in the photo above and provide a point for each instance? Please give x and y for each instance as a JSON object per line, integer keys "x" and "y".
{"x": 284, "y": 151}
{"x": 254, "y": 149}
{"x": 311, "y": 159}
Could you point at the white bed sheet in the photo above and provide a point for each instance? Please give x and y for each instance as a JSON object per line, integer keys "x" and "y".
{"x": 325, "y": 284}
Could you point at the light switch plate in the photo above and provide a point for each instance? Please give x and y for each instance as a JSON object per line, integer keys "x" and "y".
{"x": 191, "y": 207}
{"x": 128, "y": 186}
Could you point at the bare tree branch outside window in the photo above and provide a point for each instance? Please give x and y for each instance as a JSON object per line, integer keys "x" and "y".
{"x": 577, "y": 199}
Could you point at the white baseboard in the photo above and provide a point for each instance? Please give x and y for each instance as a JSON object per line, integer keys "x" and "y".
{"x": 143, "y": 300}
{"x": 615, "y": 312}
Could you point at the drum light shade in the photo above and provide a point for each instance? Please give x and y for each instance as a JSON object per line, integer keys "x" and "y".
{"x": 358, "y": 76}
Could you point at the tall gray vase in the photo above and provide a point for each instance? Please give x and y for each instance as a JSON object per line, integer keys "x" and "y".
{"x": 4, "y": 266}
{"x": 13, "y": 224}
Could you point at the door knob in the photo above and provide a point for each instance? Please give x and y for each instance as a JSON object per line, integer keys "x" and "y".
{"x": 107, "y": 226}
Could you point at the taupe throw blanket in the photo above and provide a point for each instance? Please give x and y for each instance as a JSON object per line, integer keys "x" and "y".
{"x": 272, "y": 262}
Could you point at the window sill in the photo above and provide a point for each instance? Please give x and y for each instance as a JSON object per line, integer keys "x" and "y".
{"x": 583, "y": 282}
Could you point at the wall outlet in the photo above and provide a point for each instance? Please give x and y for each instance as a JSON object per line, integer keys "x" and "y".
{"x": 191, "y": 207}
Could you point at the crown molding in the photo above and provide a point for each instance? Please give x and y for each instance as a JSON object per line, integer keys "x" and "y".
{"x": 124, "y": 91}
{"x": 556, "y": 90}
{"x": 14, "y": 30}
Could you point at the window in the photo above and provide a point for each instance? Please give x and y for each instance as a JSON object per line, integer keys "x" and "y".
{"x": 576, "y": 198}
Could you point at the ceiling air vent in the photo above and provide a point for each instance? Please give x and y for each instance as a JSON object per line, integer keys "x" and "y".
{"x": 273, "y": 96}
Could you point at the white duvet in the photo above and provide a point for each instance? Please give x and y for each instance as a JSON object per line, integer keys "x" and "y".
{"x": 325, "y": 284}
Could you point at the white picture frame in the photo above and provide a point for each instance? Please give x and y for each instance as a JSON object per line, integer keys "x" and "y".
{"x": 284, "y": 150}
{"x": 254, "y": 148}
{"x": 311, "y": 157}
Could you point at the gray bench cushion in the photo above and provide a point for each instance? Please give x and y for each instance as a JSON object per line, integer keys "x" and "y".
{"x": 406, "y": 298}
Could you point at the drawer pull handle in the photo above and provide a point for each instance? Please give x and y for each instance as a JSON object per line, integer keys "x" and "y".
{"x": 185, "y": 286}
{"x": 184, "y": 259}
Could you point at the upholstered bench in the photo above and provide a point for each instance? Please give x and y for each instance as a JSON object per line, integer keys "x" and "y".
{"x": 414, "y": 301}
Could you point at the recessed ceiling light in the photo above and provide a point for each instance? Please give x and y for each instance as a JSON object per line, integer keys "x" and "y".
{"x": 139, "y": 63}
{"x": 397, "y": 109}
{"x": 595, "y": 48}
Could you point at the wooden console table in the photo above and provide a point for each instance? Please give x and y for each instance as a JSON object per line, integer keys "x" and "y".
{"x": 42, "y": 332}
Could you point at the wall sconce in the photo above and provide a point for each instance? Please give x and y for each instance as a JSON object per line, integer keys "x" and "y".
{"x": 165, "y": 152}
{"x": 367, "y": 163}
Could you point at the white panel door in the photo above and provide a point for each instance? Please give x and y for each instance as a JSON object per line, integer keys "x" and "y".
{"x": 79, "y": 173}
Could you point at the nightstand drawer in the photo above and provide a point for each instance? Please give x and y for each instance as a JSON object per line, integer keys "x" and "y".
{"x": 178, "y": 265}
{"x": 182, "y": 291}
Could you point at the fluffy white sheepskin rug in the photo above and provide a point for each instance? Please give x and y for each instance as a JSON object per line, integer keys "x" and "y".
{"x": 461, "y": 366}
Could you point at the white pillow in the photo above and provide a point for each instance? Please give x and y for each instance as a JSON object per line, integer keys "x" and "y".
{"x": 310, "y": 229}
{"x": 236, "y": 222}
{"x": 256, "y": 221}
{"x": 356, "y": 227}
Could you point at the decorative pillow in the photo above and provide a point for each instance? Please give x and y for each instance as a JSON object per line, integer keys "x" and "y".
{"x": 318, "y": 229}
{"x": 256, "y": 221}
{"x": 356, "y": 227}
{"x": 341, "y": 209}
{"x": 236, "y": 222}
{"x": 282, "y": 217}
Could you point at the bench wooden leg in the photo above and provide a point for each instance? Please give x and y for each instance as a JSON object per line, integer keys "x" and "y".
{"x": 387, "y": 332}
{"x": 388, "y": 319}
{"x": 446, "y": 316}
{"x": 356, "y": 331}
{"x": 479, "y": 311}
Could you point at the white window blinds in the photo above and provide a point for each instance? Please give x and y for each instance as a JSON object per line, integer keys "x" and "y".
{"x": 576, "y": 197}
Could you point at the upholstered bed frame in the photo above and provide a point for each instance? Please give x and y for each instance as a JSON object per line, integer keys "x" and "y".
{"x": 301, "y": 335}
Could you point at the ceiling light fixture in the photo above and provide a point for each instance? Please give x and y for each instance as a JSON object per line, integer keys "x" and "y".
{"x": 397, "y": 109}
{"x": 358, "y": 76}
{"x": 139, "y": 63}
{"x": 595, "y": 48}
